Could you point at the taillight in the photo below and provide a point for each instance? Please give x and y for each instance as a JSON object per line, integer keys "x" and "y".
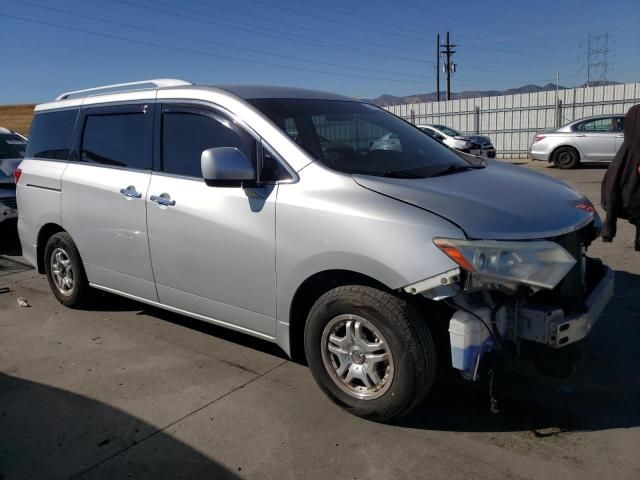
{"x": 16, "y": 174}
{"x": 537, "y": 138}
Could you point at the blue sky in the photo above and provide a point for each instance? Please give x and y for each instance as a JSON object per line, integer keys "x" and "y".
{"x": 360, "y": 48}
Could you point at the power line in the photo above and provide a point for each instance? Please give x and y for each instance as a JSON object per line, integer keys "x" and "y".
{"x": 375, "y": 19}
{"x": 235, "y": 27}
{"x": 209, "y": 42}
{"x": 333, "y": 20}
{"x": 292, "y": 25}
{"x": 552, "y": 31}
{"x": 200, "y": 52}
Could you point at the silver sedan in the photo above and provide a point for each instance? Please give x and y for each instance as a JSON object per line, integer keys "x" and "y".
{"x": 591, "y": 139}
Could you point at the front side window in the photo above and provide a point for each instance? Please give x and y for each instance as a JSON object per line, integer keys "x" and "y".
{"x": 12, "y": 146}
{"x": 50, "y": 135}
{"x": 116, "y": 139}
{"x": 618, "y": 124}
{"x": 357, "y": 138}
{"x": 185, "y": 135}
{"x": 599, "y": 125}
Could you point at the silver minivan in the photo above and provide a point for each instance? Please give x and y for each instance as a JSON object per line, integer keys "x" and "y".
{"x": 271, "y": 212}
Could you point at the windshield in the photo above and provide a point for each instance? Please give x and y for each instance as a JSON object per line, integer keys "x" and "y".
{"x": 12, "y": 146}
{"x": 357, "y": 138}
{"x": 448, "y": 131}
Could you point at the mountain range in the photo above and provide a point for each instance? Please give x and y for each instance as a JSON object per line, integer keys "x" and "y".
{"x": 387, "y": 100}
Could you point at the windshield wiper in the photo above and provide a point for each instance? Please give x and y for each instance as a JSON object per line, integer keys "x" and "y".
{"x": 399, "y": 174}
{"x": 453, "y": 169}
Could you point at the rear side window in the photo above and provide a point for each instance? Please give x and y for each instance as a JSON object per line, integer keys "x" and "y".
{"x": 12, "y": 146}
{"x": 185, "y": 135}
{"x": 50, "y": 135}
{"x": 599, "y": 125}
{"x": 117, "y": 139}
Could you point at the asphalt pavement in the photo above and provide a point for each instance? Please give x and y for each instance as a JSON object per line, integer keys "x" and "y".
{"x": 128, "y": 391}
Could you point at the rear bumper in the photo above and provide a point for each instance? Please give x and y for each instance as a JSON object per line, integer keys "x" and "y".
{"x": 535, "y": 154}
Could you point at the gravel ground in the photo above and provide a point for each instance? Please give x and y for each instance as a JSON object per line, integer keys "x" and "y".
{"x": 128, "y": 391}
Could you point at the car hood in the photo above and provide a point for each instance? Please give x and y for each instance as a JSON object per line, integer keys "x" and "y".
{"x": 7, "y": 166}
{"x": 498, "y": 202}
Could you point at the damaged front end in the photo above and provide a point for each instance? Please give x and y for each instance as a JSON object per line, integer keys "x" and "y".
{"x": 520, "y": 304}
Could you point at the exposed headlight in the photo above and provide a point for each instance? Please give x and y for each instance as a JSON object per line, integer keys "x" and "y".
{"x": 539, "y": 263}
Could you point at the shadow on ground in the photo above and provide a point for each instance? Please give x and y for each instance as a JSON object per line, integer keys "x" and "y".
{"x": 9, "y": 241}
{"x": 604, "y": 394}
{"x": 53, "y": 433}
{"x": 587, "y": 166}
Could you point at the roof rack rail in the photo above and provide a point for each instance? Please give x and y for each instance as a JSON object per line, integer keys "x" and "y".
{"x": 124, "y": 87}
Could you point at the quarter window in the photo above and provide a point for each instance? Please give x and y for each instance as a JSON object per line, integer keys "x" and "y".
{"x": 50, "y": 135}
{"x": 117, "y": 139}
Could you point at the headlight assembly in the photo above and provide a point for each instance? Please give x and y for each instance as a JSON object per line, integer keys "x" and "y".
{"x": 540, "y": 264}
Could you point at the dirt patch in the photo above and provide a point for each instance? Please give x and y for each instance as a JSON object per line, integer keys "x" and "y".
{"x": 16, "y": 117}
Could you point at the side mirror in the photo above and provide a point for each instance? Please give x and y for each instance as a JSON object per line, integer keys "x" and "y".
{"x": 226, "y": 167}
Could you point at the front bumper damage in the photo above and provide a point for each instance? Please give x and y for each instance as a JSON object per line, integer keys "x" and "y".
{"x": 488, "y": 325}
{"x": 550, "y": 326}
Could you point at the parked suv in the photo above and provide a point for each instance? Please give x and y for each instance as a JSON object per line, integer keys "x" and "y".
{"x": 12, "y": 150}
{"x": 591, "y": 139}
{"x": 378, "y": 266}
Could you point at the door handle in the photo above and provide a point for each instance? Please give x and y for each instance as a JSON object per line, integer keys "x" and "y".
{"x": 130, "y": 192}
{"x": 163, "y": 199}
{"x": 619, "y": 136}
{"x": 581, "y": 135}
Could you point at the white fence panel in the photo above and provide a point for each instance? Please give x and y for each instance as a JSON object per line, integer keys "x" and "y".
{"x": 512, "y": 120}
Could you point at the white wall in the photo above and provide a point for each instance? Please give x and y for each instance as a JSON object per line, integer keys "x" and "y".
{"x": 511, "y": 121}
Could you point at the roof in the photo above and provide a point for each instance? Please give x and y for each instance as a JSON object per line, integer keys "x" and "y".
{"x": 145, "y": 89}
{"x": 254, "y": 92}
{"x": 593, "y": 117}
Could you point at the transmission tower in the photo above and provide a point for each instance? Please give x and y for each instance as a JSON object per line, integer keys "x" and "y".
{"x": 597, "y": 59}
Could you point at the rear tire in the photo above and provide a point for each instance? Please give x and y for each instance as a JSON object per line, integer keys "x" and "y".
{"x": 370, "y": 351}
{"x": 566, "y": 158}
{"x": 65, "y": 272}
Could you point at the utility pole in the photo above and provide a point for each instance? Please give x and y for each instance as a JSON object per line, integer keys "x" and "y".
{"x": 558, "y": 102}
{"x": 597, "y": 58}
{"x": 449, "y": 67}
{"x": 438, "y": 68}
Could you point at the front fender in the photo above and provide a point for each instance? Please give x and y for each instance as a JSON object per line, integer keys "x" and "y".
{"x": 327, "y": 221}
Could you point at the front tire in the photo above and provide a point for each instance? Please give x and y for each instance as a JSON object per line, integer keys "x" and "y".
{"x": 566, "y": 158}
{"x": 370, "y": 351}
{"x": 65, "y": 272}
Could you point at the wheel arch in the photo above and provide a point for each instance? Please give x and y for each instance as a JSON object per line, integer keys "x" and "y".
{"x": 45, "y": 233}
{"x": 309, "y": 291}
{"x": 565, "y": 145}
{"x": 319, "y": 283}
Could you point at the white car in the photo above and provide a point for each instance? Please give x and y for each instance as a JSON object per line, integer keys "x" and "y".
{"x": 473, "y": 144}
